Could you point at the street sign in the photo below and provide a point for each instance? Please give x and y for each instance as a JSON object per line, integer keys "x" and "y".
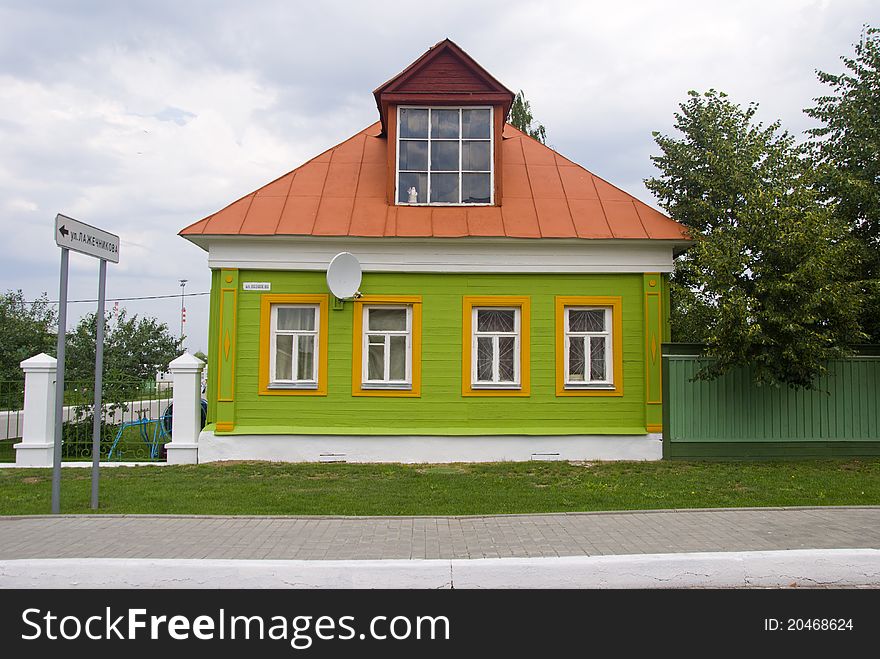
{"x": 80, "y": 237}
{"x": 84, "y": 238}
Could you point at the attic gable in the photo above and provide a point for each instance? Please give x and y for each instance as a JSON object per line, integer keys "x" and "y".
{"x": 444, "y": 73}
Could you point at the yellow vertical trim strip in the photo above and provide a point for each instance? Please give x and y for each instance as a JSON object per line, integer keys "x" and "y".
{"x": 223, "y": 342}
{"x": 652, "y": 353}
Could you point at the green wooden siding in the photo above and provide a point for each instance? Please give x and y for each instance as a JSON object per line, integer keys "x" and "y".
{"x": 732, "y": 417}
{"x": 442, "y": 409}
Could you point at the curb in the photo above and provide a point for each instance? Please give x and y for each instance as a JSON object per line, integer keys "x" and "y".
{"x": 573, "y": 513}
{"x": 810, "y": 568}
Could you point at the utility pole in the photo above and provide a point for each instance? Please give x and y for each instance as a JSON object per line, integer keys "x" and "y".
{"x": 182, "y": 307}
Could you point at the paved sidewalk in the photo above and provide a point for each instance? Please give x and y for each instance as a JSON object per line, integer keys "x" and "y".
{"x": 505, "y": 536}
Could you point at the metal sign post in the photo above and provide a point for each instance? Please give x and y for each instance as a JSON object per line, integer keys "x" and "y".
{"x": 74, "y": 235}
{"x": 98, "y": 414}
{"x": 59, "y": 383}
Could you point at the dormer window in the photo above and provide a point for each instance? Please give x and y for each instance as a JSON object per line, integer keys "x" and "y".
{"x": 445, "y": 156}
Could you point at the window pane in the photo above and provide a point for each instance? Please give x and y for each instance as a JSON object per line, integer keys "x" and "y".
{"x": 283, "y": 357}
{"x": 586, "y": 320}
{"x": 418, "y": 183}
{"x": 475, "y": 156}
{"x": 413, "y": 123}
{"x": 597, "y": 358}
{"x": 444, "y": 188}
{"x": 387, "y": 319}
{"x": 397, "y": 358}
{"x": 296, "y": 318}
{"x": 475, "y": 189}
{"x": 495, "y": 320}
{"x": 506, "y": 356}
{"x": 444, "y": 156}
{"x": 576, "y": 360}
{"x": 444, "y": 123}
{"x": 484, "y": 359}
{"x": 414, "y": 154}
{"x": 475, "y": 123}
{"x": 376, "y": 361}
{"x": 305, "y": 369}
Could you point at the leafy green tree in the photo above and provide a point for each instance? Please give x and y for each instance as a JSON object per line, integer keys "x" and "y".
{"x": 846, "y": 149}
{"x": 135, "y": 348}
{"x": 769, "y": 282}
{"x": 27, "y": 330}
{"x": 521, "y": 118}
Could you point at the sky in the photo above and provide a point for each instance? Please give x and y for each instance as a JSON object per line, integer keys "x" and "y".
{"x": 143, "y": 117}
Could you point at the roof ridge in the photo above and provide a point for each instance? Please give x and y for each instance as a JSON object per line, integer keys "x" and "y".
{"x": 357, "y": 181}
{"x": 565, "y": 196}
{"x": 252, "y": 195}
{"x": 531, "y": 191}
{"x": 286, "y": 198}
{"x": 639, "y": 215}
{"x": 324, "y": 187}
{"x": 601, "y": 205}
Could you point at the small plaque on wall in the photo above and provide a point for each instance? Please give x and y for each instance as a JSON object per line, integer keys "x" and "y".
{"x": 256, "y": 286}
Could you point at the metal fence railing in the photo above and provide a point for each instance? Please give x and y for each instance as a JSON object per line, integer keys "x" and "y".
{"x": 135, "y": 425}
{"x": 11, "y": 417}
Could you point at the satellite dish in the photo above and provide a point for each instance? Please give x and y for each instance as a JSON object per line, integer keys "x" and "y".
{"x": 344, "y": 276}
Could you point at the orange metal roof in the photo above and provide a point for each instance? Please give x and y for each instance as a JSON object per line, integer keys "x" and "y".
{"x": 342, "y": 192}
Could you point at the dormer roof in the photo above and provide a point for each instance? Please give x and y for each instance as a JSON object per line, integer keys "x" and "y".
{"x": 444, "y": 74}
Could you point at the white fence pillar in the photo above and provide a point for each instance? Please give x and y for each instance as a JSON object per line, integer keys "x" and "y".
{"x": 38, "y": 433}
{"x": 186, "y": 424}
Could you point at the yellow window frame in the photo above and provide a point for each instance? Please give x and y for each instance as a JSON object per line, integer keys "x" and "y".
{"x": 524, "y": 303}
{"x": 357, "y": 350}
{"x": 616, "y": 304}
{"x": 266, "y": 302}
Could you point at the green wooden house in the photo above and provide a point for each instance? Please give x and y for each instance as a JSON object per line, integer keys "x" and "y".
{"x": 512, "y": 304}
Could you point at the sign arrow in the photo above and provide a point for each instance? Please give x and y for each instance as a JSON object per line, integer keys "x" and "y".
{"x": 86, "y": 239}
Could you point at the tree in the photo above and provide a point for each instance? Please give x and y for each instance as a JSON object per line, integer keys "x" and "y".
{"x": 28, "y": 329}
{"x": 771, "y": 273}
{"x": 846, "y": 150}
{"x": 521, "y": 118}
{"x": 135, "y": 349}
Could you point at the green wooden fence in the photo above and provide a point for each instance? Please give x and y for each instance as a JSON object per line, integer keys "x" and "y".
{"x": 732, "y": 418}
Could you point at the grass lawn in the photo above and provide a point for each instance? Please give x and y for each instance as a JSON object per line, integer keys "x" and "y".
{"x": 262, "y": 488}
{"x": 7, "y": 453}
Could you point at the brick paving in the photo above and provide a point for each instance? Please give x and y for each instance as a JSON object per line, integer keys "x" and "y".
{"x": 341, "y": 538}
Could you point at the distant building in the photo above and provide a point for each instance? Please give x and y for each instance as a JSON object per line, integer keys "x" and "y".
{"x": 163, "y": 380}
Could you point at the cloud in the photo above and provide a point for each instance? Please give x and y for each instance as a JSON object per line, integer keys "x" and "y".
{"x": 142, "y": 118}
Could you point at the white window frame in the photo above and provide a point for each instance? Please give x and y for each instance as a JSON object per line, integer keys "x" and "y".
{"x": 366, "y": 332}
{"x": 490, "y": 139}
{"x": 496, "y": 353}
{"x": 274, "y": 382}
{"x": 608, "y": 334}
